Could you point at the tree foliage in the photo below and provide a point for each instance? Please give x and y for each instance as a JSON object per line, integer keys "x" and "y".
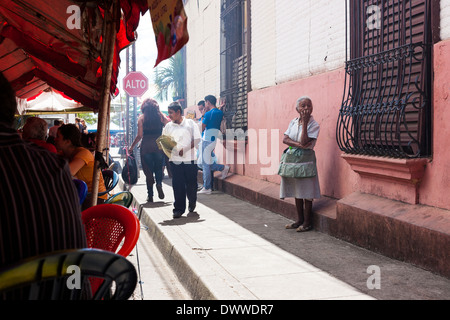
{"x": 89, "y": 117}
{"x": 170, "y": 78}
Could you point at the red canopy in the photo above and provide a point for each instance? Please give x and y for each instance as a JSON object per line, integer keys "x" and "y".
{"x": 38, "y": 50}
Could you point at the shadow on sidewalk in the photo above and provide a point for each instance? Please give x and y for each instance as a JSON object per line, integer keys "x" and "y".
{"x": 157, "y": 204}
{"x": 191, "y": 217}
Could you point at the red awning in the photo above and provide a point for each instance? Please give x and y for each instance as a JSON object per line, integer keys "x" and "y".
{"x": 38, "y": 50}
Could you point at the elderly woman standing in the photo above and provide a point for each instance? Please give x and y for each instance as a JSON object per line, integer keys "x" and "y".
{"x": 299, "y": 174}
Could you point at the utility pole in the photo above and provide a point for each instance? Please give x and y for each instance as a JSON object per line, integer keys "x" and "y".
{"x": 131, "y": 105}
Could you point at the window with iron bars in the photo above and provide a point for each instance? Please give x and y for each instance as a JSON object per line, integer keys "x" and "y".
{"x": 233, "y": 62}
{"x": 386, "y": 108}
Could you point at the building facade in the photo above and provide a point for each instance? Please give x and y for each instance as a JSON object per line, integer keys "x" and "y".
{"x": 376, "y": 71}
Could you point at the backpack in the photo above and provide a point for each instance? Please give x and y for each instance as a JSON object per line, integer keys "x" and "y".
{"x": 130, "y": 170}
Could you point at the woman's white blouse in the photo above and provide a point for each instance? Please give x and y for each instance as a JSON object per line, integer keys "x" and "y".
{"x": 294, "y": 131}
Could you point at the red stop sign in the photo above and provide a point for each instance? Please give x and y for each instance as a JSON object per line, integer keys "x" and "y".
{"x": 135, "y": 84}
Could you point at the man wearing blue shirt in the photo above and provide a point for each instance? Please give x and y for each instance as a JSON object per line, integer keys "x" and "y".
{"x": 210, "y": 131}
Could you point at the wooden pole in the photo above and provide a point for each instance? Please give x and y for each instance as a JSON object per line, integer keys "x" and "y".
{"x": 112, "y": 16}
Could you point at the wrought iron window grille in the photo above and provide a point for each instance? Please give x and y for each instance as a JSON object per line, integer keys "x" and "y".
{"x": 233, "y": 63}
{"x": 386, "y": 104}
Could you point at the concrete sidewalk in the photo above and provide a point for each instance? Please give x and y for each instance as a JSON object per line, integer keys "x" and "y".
{"x": 231, "y": 249}
{"x": 216, "y": 258}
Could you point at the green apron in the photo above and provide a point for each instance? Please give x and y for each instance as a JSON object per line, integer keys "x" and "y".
{"x": 298, "y": 163}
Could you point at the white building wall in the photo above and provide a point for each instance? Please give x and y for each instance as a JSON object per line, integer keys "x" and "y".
{"x": 203, "y": 50}
{"x": 310, "y": 38}
{"x": 263, "y": 40}
{"x": 445, "y": 19}
{"x": 290, "y": 39}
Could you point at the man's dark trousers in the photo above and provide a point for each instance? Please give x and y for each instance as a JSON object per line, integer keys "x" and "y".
{"x": 184, "y": 184}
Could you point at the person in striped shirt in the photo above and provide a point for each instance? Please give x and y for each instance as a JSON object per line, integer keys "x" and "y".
{"x": 39, "y": 205}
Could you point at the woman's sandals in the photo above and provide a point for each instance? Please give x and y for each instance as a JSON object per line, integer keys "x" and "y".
{"x": 304, "y": 229}
{"x": 298, "y": 227}
{"x": 292, "y": 225}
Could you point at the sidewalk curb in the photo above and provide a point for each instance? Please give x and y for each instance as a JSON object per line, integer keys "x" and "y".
{"x": 177, "y": 261}
{"x": 189, "y": 278}
{"x": 202, "y": 276}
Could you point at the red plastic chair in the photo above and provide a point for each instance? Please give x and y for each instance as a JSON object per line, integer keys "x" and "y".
{"x": 107, "y": 225}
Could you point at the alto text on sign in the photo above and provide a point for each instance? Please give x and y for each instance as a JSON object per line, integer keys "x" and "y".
{"x": 135, "y": 84}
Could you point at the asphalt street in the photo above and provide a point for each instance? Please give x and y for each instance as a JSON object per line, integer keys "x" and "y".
{"x": 157, "y": 281}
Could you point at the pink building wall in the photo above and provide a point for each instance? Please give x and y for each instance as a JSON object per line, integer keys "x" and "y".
{"x": 435, "y": 187}
{"x": 272, "y": 108}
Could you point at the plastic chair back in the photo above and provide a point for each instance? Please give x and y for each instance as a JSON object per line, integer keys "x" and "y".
{"x": 108, "y": 224}
{"x": 45, "y": 277}
{"x": 82, "y": 189}
{"x": 110, "y": 178}
{"x": 124, "y": 198}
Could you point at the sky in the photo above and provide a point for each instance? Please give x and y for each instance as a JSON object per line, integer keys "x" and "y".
{"x": 146, "y": 54}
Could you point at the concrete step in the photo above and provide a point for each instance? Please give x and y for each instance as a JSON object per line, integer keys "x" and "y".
{"x": 413, "y": 233}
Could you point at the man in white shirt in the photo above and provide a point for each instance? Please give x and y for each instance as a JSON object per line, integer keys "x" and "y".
{"x": 182, "y": 161}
